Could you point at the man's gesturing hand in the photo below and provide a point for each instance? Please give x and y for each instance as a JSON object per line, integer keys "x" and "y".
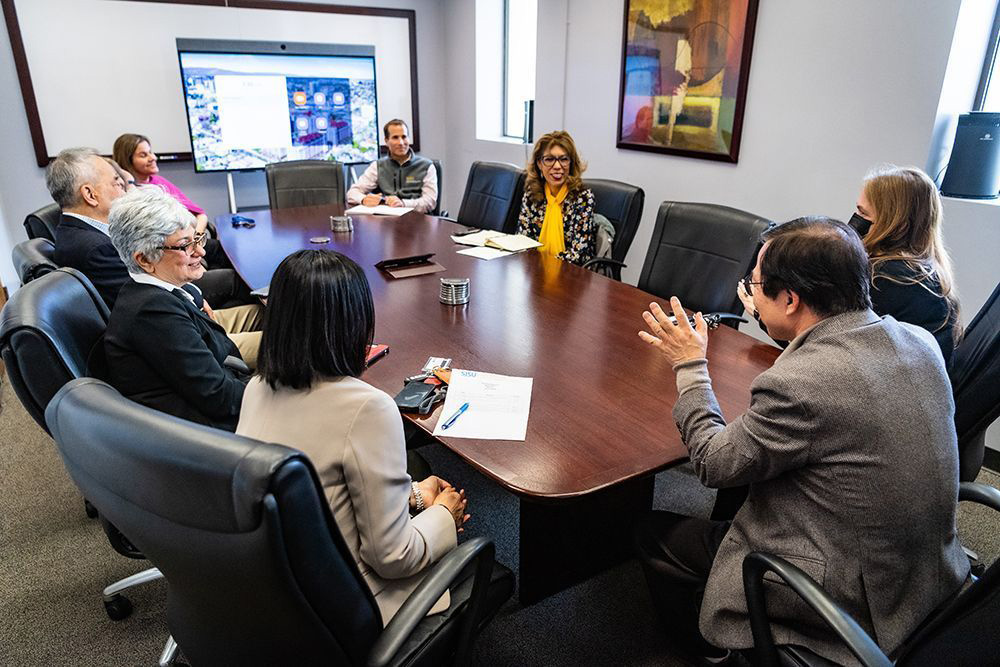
{"x": 677, "y": 342}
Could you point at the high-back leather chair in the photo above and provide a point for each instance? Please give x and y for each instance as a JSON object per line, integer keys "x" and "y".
{"x": 48, "y": 331}
{"x": 304, "y": 183}
{"x": 621, "y": 204}
{"x": 961, "y": 631}
{"x": 439, "y": 172}
{"x": 33, "y": 259}
{"x": 699, "y": 252}
{"x": 492, "y": 198}
{"x": 258, "y": 572}
{"x": 43, "y": 222}
{"x": 975, "y": 380}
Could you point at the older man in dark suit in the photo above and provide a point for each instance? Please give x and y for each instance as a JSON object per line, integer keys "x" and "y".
{"x": 848, "y": 447}
{"x": 84, "y": 185}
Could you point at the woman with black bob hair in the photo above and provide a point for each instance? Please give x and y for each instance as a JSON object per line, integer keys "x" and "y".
{"x": 308, "y": 394}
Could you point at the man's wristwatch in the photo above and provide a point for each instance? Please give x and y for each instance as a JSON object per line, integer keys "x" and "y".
{"x": 381, "y": 199}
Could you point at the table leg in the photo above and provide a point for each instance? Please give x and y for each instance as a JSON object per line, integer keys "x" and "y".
{"x": 563, "y": 543}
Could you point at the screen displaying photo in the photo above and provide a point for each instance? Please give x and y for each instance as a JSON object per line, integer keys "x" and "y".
{"x": 248, "y": 110}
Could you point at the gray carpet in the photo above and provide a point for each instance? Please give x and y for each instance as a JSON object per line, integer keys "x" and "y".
{"x": 54, "y": 563}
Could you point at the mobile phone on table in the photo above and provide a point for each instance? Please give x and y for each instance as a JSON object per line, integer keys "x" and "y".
{"x": 375, "y": 352}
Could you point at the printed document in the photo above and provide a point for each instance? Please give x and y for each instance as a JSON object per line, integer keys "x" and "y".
{"x": 498, "y": 406}
{"x": 381, "y": 209}
{"x": 485, "y": 253}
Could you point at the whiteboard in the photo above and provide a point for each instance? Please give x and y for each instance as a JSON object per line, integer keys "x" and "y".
{"x": 100, "y": 68}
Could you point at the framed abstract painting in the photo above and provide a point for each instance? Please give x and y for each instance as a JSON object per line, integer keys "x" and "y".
{"x": 685, "y": 66}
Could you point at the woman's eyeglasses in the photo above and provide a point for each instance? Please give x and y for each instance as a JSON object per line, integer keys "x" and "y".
{"x": 198, "y": 241}
{"x": 748, "y": 282}
{"x": 549, "y": 160}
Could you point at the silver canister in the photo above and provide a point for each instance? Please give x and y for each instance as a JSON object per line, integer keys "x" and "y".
{"x": 454, "y": 291}
{"x": 341, "y": 223}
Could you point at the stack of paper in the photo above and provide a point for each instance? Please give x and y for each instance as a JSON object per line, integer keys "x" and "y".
{"x": 381, "y": 209}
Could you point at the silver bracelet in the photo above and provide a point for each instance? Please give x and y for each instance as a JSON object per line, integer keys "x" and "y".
{"x": 418, "y": 497}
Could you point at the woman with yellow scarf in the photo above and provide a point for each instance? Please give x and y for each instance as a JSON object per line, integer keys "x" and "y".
{"x": 557, "y": 209}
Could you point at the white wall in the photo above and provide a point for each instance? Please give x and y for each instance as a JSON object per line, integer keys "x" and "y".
{"x": 22, "y": 184}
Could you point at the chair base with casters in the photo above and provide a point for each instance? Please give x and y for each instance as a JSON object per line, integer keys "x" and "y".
{"x": 961, "y": 631}
{"x": 117, "y": 605}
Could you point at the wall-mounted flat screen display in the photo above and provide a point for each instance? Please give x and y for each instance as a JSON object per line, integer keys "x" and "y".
{"x": 247, "y": 110}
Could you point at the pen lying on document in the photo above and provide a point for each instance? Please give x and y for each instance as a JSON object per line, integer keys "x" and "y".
{"x": 458, "y": 413}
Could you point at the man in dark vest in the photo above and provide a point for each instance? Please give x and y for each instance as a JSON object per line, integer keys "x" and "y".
{"x": 401, "y": 179}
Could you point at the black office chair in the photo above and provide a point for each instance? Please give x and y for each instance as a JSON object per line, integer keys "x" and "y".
{"x": 492, "y": 198}
{"x": 258, "y": 572}
{"x": 48, "y": 331}
{"x": 975, "y": 380}
{"x": 33, "y": 259}
{"x": 699, "y": 252}
{"x": 621, "y": 204}
{"x": 437, "y": 210}
{"x": 304, "y": 183}
{"x": 51, "y": 331}
{"x": 960, "y": 632}
{"x": 42, "y": 223}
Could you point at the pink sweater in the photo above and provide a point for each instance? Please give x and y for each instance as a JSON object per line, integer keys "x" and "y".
{"x": 174, "y": 192}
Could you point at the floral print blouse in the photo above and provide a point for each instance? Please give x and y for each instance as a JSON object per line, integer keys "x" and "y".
{"x": 578, "y": 224}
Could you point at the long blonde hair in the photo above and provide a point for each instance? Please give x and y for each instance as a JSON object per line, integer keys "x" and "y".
{"x": 534, "y": 184}
{"x": 907, "y": 227}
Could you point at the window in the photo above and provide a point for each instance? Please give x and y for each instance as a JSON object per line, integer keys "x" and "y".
{"x": 520, "y": 26}
{"x": 988, "y": 94}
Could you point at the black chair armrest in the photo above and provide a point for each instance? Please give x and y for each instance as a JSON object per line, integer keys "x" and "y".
{"x": 979, "y": 493}
{"x": 237, "y": 365}
{"x": 605, "y": 266}
{"x": 439, "y": 578}
{"x": 755, "y": 565}
{"x": 444, "y": 216}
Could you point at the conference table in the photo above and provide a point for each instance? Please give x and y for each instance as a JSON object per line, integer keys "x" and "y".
{"x": 600, "y": 425}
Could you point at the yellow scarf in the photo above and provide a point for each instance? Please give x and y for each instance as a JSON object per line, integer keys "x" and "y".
{"x": 552, "y": 237}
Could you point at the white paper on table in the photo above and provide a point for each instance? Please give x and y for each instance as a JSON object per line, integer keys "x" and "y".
{"x": 498, "y": 406}
{"x": 478, "y": 239}
{"x": 381, "y": 209}
{"x": 484, "y": 252}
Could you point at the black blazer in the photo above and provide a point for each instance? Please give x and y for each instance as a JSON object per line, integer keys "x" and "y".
{"x": 914, "y": 303}
{"x": 163, "y": 352}
{"x": 87, "y": 250}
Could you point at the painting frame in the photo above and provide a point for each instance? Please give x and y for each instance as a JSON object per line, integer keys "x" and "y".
{"x": 707, "y": 121}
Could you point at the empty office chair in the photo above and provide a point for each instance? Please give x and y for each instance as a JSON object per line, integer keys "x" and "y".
{"x": 42, "y": 223}
{"x": 960, "y": 632}
{"x": 699, "y": 252}
{"x": 975, "y": 380}
{"x": 492, "y": 198}
{"x": 621, "y": 204}
{"x": 305, "y": 183}
{"x": 258, "y": 572}
{"x": 33, "y": 259}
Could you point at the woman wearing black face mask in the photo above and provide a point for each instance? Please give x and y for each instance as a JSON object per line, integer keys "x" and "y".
{"x": 898, "y": 217}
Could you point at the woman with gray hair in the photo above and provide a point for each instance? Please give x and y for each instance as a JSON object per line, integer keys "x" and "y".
{"x": 164, "y": 347}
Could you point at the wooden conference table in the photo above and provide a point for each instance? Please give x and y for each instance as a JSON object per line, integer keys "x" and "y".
{"x": 600, "y": 423}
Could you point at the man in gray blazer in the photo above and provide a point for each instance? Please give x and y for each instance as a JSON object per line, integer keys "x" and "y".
{"x": 848, "y": 447}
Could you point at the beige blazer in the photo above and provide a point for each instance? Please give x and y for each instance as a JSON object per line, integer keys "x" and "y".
{"x": 353, "y": 434}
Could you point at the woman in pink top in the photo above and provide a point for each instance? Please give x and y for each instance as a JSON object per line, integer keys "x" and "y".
{"x": 134, "y": 153}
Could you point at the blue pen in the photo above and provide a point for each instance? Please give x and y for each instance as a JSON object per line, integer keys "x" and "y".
{"x": 458, "y": 413}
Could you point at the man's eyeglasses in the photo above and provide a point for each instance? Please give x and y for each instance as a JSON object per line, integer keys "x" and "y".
{"x": 549, "y": 160}
{"x": 748, "y": 282}
{"x": 198, "y": 241}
